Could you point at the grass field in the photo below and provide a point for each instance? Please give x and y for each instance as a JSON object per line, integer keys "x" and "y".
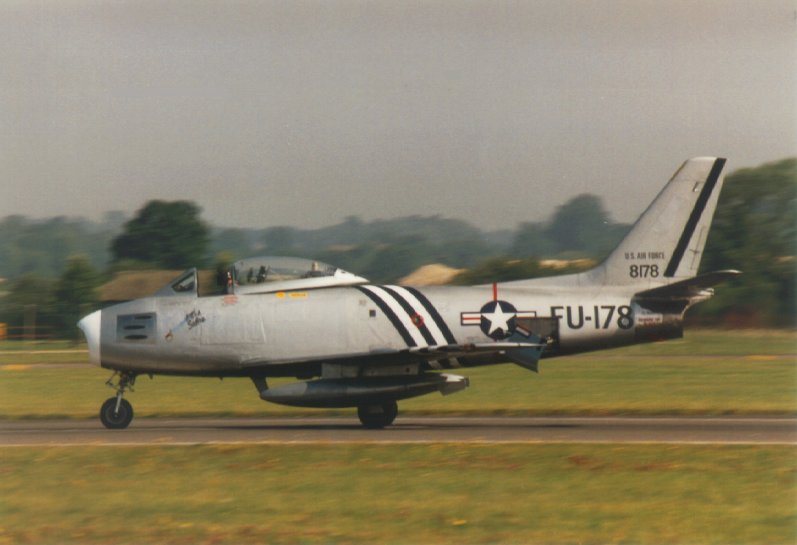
{"x": 411, "y": 494}
{"x": 708, "y": 372}
{"x": 399, "y": 494}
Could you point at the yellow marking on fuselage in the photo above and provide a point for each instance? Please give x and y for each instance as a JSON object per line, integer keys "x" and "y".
{"x": 291, "y": 295}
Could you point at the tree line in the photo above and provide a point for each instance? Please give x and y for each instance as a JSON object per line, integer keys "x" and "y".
{"x": 52, "y": 267}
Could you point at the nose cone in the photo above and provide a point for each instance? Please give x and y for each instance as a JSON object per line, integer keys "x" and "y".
{"x": 90, "y": 325}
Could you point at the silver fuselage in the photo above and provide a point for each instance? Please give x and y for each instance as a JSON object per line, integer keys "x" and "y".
{"x": 286, "y": 333}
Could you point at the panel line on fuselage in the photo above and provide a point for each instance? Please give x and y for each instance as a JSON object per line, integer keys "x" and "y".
{"x": 414, "y": 317}
{"x": 438, "y": 320}
{"x": 409, "y": 340}
{"x": 417, "y": 320}
{"x": 420, "y": 306}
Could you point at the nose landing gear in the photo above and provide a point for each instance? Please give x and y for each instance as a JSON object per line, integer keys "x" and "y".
{"x": 116, "y": 413}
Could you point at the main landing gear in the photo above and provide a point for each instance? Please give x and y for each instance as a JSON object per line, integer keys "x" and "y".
{"x": 116, "y": 413}
{"x": 377, "y": 416}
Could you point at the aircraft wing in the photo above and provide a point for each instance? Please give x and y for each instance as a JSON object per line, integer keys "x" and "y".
{"x": 525, "y": 354}
{"x": 392, "y": 356}
{"x": 464, "y": 350}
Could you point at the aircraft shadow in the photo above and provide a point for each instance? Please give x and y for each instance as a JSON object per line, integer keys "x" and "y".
{"x": 398, "y": 427}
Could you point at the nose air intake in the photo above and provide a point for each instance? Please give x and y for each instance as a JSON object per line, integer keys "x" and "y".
{"x": 90, "y": 325}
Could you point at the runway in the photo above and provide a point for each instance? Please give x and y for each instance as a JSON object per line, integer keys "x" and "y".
{"x": 409, "y": 430}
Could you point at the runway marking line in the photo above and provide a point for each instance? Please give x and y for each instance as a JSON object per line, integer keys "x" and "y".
{"x": 301, "y": 442}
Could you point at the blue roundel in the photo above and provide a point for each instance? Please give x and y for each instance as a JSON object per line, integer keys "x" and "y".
{"x": 498, "y": 319}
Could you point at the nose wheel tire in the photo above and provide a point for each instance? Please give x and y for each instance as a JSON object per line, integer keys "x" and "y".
{"x": 114, "y": 419}
{"x": 376, "y": 417}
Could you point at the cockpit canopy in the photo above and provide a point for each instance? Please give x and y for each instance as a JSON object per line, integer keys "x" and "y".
{"x": 264, "y": 275}
{"x": 271, "y": 273}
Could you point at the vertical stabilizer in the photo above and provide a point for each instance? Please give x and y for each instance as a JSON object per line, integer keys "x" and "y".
{"x": 666, "y": 243}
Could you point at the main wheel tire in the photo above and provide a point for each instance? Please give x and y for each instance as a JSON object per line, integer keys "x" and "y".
{"x": 112, "y": 419}
{"x": 376, "y": 417}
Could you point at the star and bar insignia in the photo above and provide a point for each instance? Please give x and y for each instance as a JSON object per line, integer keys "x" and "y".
{"x": 497, "y": 319}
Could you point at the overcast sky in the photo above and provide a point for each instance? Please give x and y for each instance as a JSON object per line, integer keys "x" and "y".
{"x": 302, "y": 113}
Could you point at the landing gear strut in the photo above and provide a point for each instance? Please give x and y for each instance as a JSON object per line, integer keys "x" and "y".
{"x": 379, "y": 415}
{"x": 116, "y": 413}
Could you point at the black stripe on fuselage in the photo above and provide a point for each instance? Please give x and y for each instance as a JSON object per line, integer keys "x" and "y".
{"x": 447, "y": 363}
{"x": 694, "y": 218}
{"x": 427, "y": 335}
{"x": 434, "y": 314}
{"x": 405, "y": 334}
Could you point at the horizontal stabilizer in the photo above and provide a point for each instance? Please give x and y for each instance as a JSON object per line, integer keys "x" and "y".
{"x": 689, "y": 288}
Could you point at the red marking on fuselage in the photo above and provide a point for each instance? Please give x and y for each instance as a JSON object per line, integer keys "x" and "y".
{"x": 495, "y": 291}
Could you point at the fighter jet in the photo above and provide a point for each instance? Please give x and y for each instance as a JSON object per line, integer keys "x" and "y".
{"x": 352, "y": 343}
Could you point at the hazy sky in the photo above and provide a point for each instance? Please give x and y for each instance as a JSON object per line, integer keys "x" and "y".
{"x": 301, "y": 113}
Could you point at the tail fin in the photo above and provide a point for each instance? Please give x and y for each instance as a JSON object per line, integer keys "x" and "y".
{"x": 666, "y": 243}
